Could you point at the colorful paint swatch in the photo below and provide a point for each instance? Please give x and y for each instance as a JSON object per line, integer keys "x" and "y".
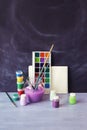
{"x": 39, "y": 58}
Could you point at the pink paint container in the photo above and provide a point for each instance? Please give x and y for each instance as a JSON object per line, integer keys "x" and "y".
{"x": 24, "y": 100}
{"x": 34, "y": 95}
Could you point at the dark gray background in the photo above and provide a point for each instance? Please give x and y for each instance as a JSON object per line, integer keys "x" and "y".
{"x": 28, "y": 25}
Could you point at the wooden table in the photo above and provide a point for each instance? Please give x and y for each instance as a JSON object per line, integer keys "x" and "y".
{"x": 42, "y": 116}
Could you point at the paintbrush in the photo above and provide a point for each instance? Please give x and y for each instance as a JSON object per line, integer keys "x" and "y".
{"x": 42, "y": 75}
{"x": 29, "y": 83}
{"x": 36, "y": 84}
{"x": 11, "y": 99}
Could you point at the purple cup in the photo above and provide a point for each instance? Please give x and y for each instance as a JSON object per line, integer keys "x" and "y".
{"x": 34, "y": 95}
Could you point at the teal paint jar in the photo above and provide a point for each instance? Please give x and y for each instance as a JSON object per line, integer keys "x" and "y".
{"x": 15, "y": 97}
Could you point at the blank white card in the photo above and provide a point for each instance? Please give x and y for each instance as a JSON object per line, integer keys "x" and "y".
{"x": 59, "y": 79}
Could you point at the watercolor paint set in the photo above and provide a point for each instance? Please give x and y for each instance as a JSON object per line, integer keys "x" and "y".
{"x": 39, "y": 57}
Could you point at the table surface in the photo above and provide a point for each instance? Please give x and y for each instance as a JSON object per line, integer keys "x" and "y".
{"x": 42, "y": 115}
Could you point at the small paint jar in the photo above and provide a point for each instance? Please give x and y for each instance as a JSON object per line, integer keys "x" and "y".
{"x": 20, "y": 79}
{"x": 24, "y": 100}
{"x": 19, "y": 73}
{"x": 15, "y": 97}
{"x": 52, "y": 94}
{"x": 72, "y": 98}
{"x": 20, "y": 91}
{"x": 20, "y": 85}
{"x": 55, "y": 102}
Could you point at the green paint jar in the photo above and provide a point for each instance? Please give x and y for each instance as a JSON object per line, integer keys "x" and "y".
{"x": 72, "y": 98}
{"x": 20, "y": 85}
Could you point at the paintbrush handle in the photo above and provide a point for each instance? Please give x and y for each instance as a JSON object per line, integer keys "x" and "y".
{"x": 11, "y": 99}
{"x": 48, "y": 55}
{"x": 43, "y": 66}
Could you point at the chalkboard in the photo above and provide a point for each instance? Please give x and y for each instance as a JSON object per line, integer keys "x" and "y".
{"x": 28, "y": 25}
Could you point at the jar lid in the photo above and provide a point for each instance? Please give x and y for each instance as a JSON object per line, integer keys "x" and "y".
{"x": 19, "y": 72}
{"x": 23, "y": 96}
{"x": 72, "y": 94}
{"x": 56, "y": 98}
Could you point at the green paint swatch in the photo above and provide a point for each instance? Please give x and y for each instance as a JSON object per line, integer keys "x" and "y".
{"x": 37, "y": 59}
{"x": 47, "y": 80}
